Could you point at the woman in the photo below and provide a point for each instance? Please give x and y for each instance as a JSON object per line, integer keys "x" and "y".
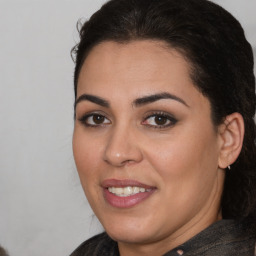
{"x": 164, "y": 137}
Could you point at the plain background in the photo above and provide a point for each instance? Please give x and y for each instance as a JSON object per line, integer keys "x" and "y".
{"x": 43, "y": 211}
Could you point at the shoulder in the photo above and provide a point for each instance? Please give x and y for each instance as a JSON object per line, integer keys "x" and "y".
{"x": 99, "y": 245}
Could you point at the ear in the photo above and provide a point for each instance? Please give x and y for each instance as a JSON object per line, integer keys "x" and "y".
{"x": 231, "y": 134}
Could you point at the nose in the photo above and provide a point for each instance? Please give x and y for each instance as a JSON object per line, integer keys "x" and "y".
{"x": 122, "y": 148}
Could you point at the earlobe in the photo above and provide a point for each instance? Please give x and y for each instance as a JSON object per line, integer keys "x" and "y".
{"x": 231, "y": 134}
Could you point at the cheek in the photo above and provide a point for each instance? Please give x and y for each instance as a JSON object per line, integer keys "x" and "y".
{"x": 86, "y": 154}
{"x": 186, "y": 162}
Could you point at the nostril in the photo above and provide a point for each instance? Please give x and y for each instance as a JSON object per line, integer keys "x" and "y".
{"x": 121, "y": 151}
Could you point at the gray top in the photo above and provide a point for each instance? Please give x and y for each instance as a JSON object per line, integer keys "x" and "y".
{"x": 223, "y": 238}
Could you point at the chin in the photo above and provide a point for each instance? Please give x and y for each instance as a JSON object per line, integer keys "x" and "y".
{"x": 129, "y": 236}
{"x": 130, "y": 230}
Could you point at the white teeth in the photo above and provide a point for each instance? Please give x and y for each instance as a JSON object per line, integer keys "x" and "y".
{"x": 127, "y": 191}
{"x": 136, "y": 190}
{"x": 119, "y": 190}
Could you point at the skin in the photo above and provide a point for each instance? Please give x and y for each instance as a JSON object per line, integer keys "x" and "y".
{"x": 180, "y": 160}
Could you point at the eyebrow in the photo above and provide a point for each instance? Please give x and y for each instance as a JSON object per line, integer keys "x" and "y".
{"x": 155, "y": 97}
{"x": 137, "y": 103}
{"x": 94, "y": 99}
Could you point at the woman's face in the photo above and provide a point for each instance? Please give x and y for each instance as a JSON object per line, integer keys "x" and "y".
{"x": 144, "y": 144}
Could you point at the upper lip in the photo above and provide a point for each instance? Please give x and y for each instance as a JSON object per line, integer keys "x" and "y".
{"x": 124, "y": 183}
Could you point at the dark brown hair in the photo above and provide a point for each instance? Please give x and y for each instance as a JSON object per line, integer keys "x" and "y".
{"x": 3, "y": 252}
{"x": 213, "y": 42}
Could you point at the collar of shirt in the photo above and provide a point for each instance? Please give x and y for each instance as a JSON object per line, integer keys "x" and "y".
{"x": 225, "y": 238}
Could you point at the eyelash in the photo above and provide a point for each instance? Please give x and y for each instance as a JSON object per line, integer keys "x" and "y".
{"x": 84, "y": 120}
{"x": 169, "y": 118}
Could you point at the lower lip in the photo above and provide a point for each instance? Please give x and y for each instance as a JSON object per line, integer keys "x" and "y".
{"x": 127, "y": 201}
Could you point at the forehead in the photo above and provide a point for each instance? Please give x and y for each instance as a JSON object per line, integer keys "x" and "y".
{"x": 136, "y": 68}
{"x": 146, "y": 60}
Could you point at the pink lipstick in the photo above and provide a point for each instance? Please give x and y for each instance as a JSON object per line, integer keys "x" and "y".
{"x": 125, "y": 193}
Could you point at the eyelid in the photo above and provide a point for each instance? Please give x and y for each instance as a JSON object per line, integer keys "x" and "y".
{"x": 86, "y": 116}
{"x": 170, "y": 117}
{"x": 85, "y": 113}
{"x": 171, "y": 120}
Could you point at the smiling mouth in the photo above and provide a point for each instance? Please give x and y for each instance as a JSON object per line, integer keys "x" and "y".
{"x": 125, "y": 193}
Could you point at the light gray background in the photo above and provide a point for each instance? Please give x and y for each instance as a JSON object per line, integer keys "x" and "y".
{"x": 43, "y": 211}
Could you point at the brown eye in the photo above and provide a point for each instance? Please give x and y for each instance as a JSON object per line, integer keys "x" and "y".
{"x": 94, "y": 120}
{"x": 98, "y": 119}
{"x": 159, "y": 121}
